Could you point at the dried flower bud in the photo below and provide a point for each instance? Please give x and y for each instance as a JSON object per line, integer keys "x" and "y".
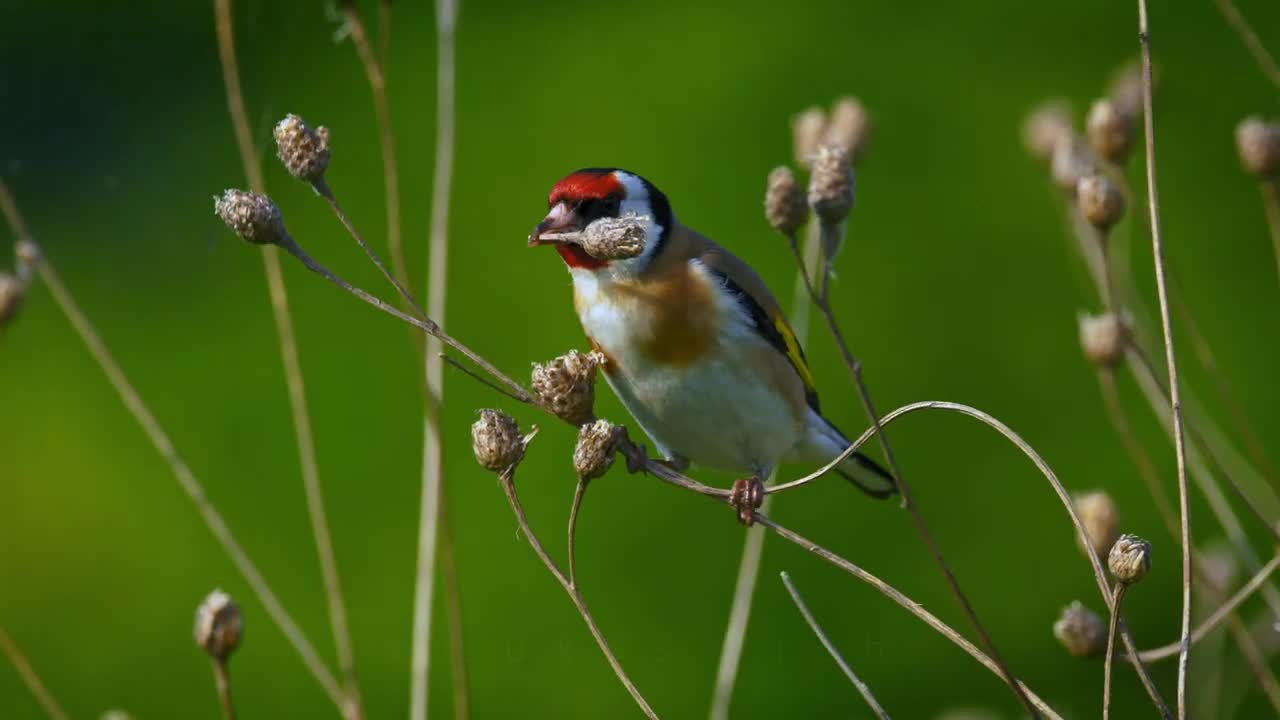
{"x": 27, "y": 253}
{"x": 1126, "y": 90}
{"x": 12, "y": 291}
{"x": 831, "y": 185}
{"x": 1110, "y": 132}
{"x": 1100, "y": 518}
{"x": 1045, "y": 127}
{"x": 806, "y": 131}
{"x": 1080, "y": 631}
{"x": 1071, "y": 161}
{"x": 252, "y": 216}
{"x": 849, "y": 127}
{"x": 594, "y": 453}
{"x": 1258, "y": 143}
{"x": 1130, "y": 559}
{"x": 1100, "y": 201}
{"x": 304, "y": 152}
{"x": 495, "y": 439}
{"x": 1104, "y": 338}
{"x": 784, "y": 202}
{"x": 218, "y": 625}
{"x": 566, "y": 385}
{"x": 617, "y": 238}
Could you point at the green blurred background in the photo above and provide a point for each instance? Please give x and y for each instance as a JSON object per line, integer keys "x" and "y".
{"x": 956, "y": 284}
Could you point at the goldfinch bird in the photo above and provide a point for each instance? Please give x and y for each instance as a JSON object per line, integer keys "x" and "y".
{"x": 696, "y": 347}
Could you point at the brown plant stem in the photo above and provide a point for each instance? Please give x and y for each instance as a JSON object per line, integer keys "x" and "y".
{"x": 1117, "y": 598}
{"x": 509, "y": 488}
{"x": 1175, "y": 396}
{"x": 830, "y": 647}
{"x": 222, "y": 680}
{"x": 292, "y": 369}
{"x": 1147, "y": 471}
{"x": 906, "y": 603}
{"x": 375, "y": 72}
{"x": 578, "y": 493}
{"x": 433, "y": 482}
{"x": 820, "y": 299}
{"x": 1266, "y": 63}
{"x": 164, "y": 447}
{"x": 1099, "y": 574}
{"x": 29, "y": 677}
{"x": 1175, "y": 648}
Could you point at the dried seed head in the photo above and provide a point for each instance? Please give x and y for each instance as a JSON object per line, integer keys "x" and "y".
{"x": 1258, "y": 143}
{"x": 566, "y": 385}
{"x": 594, "y": 453}
{"x": 1045, "y": 127}
{"x": 218, "y": 625}
{"x": 252, "y": 216}
{"x": 1100, "y": 518}
{"x": 304, "y": 152}
{"x": 495, "y": 439}
{"x": 27, "y": 253}
{"x": 1126, "y": 90}
{"x": 1080, "y": 631}
{"x": 831, "y": 185}
{"x": 849, "y": 127}
{"x": 1100, "y": 201}
{"x": 1071, "y": 161}
{"x": 1110, "y": 132}
{"x": 806, "y": 132}
{"x": 12, "y": 291}
{"x": 1104, "y": 338}
{"x": 617, "y": 238}
{"x": 1130, "y": 559}
{"x": 784, "y": 202}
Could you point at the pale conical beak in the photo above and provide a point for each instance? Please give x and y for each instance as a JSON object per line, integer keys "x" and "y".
{"x": 560, "y": 220}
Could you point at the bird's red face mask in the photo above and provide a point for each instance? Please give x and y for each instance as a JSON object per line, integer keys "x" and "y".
{"x": 576, "y": 201}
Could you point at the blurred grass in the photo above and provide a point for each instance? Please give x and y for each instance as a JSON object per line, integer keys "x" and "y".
{"x": 955, "y": 285}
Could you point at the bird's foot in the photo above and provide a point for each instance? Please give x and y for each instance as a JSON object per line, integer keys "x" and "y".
{"x": 746, "y": 497}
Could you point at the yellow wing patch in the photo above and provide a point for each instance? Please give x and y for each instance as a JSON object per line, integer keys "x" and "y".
{"x": 796, "y": 356}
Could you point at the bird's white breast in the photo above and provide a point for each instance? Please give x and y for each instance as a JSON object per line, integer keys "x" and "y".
{"x": 719, "y": 410}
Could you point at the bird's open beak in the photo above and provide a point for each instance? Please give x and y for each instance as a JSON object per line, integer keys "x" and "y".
{"x": 558, "y": 221}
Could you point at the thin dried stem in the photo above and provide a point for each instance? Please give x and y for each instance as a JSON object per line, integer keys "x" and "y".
{"x": 1150, "y": 476}
{"x": 744, "y": 586}
{"x": 479, "y": 378}
{"x": 1175, "y": 397}
{"x": 164, "y": 446}
{"x": 906, "y": 603}
{"x": 374, "y": 70}
{"x": 1271, "y": 203}
{"x": 1266, "y": 63}
{"x": 222, "y": 680}
{"x": 292, "y": 369}
{"x": 578, "y": 493}
{"x": 29, "y": 678}
{"x": 1117, "y": 598}
{"x": 830, "y": 238}
{"x": 861, "y": 686}
{"x": 1258, "y": 580}
{"x": 509, "y": 487}
{"x": 1098, "y": 572}
{"x": 323, "y": 190}
{"x": 433, "y": 493}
